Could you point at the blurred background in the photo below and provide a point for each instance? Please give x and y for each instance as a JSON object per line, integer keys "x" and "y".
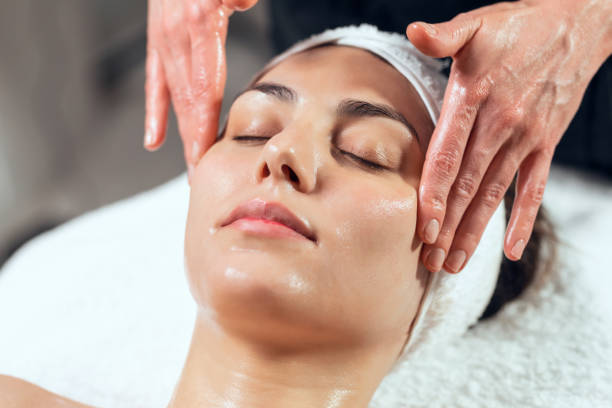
{"x": 72, "y": 107}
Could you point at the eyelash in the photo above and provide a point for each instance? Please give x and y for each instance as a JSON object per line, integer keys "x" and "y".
{"x": 359, "y": 160}
{"x": 250, "y": 138}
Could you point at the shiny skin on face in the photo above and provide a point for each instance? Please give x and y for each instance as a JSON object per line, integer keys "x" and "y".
{"x": 348, "y": 171}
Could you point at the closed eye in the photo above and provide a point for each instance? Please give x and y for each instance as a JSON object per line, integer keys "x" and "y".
{"x": 251, "y": 139}
{"x": 363, "y": 162}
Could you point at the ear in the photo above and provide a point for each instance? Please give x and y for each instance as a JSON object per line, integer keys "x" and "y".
{"x": 443, "y": 39}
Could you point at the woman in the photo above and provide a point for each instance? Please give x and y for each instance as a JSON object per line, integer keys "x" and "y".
{"x": 301, "y": 248}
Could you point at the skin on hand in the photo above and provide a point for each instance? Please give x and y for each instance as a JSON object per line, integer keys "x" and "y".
{"x": 519, "y": 72}
{"x": 186, "y": 64}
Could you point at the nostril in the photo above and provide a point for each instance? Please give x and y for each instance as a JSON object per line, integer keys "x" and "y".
{"x": 289, "y": 173}
{"x": 265, "y": 171}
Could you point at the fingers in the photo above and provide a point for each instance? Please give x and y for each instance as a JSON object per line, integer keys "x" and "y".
{"x": 490, "y": 194}
{"x": 208, "y": 33}
{"x": 443, "y": 159}
{"x": 530, "y": 185}
{"x": 157, "y": 102}
{"x": 186, "y": 65}
{"x": 482, "y": 147}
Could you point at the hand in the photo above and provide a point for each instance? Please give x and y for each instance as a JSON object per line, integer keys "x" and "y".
{"x": 519, "y": 72}
{"x": 186, "y": 61}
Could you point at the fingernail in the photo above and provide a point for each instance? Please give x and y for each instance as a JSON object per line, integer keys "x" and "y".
{"x": 149, "y": 138}
{"x": 435, "y": 259}
{"x": 455, "y": 260}
{"x": 431, "y": 231}
{"x": 517, "y": 249}
{"x": 431, "y": 30}
{"x": 195, "y": 151}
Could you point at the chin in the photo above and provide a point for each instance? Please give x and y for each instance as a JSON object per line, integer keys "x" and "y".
{"x": 259, "y": 298}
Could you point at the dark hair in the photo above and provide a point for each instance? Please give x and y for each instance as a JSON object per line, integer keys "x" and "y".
{"x": 538, "y": 259}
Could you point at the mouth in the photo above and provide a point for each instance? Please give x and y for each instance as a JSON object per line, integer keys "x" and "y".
{"x": 268, "y": 218}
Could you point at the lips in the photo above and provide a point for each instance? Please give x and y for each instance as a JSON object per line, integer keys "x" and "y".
{"x": 259, "y": 209}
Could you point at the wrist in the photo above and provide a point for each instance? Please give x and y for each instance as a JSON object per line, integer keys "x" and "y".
{"x": 593, "y": 20}
{"x": 590, "y": 23}
{"x": 597, "y": 20}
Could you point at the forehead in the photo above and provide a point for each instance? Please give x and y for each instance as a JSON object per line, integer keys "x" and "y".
{"x": 331, "y": 73}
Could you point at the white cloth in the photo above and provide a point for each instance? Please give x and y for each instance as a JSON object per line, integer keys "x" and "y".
{"x": 99, "y": 310}
{"x": 451, "y": 303}
{"x": 423, "y": 72}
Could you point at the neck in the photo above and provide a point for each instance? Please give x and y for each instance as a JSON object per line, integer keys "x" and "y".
{"x": 222, "y": 371}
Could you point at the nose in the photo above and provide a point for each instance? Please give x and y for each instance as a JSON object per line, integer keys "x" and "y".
{"x": 291, "y": 159}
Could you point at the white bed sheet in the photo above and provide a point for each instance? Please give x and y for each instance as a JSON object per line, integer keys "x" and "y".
{"x": 99, "y": 310}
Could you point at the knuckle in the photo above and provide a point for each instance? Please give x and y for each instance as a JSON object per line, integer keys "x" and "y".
{"x": 474, "y": 96}
{"x": 493, "y": 194}
{"x": 480, "y": 89}
{"x": 465, "y": 186}
{"x": 434, "y": 200}
{"x": 201, "y": 88}
{"x": 535, "y": 193}
{"x": 513, "y": 118}
{"x": 444, "y": 162}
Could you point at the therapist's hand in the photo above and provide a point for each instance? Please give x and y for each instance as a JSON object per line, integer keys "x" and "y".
{"x": 519, "y": 72}
{"x": 186, "y": 63}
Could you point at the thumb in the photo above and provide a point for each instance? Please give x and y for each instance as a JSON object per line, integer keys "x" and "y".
{"x": 443, "y": 39}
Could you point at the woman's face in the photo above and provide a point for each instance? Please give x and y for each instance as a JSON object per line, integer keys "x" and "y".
{"x": 331, "y": 135}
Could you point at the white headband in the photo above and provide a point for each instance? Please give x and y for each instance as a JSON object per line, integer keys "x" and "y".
{"x": 451, "y": 303}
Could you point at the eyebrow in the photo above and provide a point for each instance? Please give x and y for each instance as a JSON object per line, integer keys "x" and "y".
{"x": 347, "y": 107}
{"x": 280, "y": 92}
{"x": 357, "y": 108}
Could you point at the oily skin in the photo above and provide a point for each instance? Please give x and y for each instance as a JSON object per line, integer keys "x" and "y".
{"x": 290, "y": 322}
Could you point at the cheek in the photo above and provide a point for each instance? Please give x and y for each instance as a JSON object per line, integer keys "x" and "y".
{"x": 376, "y": 251}
{"x": 220, "y": 173}
{"x": 376, "y": 218}
{"x": 215, "y": 180}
